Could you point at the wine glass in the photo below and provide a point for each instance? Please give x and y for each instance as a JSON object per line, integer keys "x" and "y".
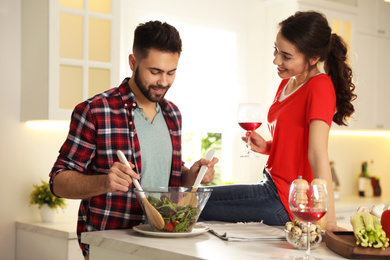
{"x": 308, "y": 203}
{"x": 249, "y": 117}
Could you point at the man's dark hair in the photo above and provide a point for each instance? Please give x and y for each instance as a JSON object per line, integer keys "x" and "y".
{"x": 156, "y": 35}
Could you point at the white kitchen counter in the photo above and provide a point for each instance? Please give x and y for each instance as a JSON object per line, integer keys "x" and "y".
{"x": 60, "y": 228}
{"x": 346, "y": 206}
{"x": 120, "y": 244}
{"x": 127, "y": 243}
{"x": 353, "y": 202}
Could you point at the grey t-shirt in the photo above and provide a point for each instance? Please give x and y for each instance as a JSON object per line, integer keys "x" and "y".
{"x": 156, "y": 149}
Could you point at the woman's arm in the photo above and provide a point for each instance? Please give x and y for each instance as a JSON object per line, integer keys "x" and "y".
{"x": 319, "y": 162}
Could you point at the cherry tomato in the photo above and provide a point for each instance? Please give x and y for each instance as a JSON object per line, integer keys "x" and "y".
{"x": 169, "y": 227}
{"x": 385, "y": 222}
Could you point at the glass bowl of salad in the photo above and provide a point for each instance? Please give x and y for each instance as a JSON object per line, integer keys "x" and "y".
{"x": 168, "y": 201}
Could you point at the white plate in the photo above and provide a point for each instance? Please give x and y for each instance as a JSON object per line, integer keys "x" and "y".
{"x": 147, "y": 230}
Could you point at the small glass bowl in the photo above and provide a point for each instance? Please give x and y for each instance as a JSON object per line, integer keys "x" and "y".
{"x": 300, "y": 242}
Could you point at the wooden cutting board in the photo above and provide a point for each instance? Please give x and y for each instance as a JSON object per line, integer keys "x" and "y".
{"x": 344, "y": 244}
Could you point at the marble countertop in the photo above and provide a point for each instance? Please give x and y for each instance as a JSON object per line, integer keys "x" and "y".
{"x": 204, "y": 246}
{"x": 127, "y": 242}
{"x": 62, "y": 227}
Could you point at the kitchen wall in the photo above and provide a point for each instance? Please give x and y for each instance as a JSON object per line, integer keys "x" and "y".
{"x": 348, "y": 152}
{"x": 27, "y": 155}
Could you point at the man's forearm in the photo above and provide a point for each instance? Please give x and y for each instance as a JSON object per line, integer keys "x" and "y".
{"x": 75, "y": 185}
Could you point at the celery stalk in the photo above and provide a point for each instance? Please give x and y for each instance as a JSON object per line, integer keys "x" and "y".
{"x": 368, "y": 231}
{"x": 357, "y": 223}
{"x": 368, "y": 221}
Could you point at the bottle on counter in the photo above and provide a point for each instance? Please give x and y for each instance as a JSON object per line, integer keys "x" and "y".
{"x": 362, "y": 186}
{"x": 363, "y": 179}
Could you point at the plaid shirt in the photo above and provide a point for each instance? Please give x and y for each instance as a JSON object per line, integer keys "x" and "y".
{"x": 99, "y": 127}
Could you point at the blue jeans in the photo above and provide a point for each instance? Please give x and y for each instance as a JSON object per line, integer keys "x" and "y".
{"x": 246, "y": 203}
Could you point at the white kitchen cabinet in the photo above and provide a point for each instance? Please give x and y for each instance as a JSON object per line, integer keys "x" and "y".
{"x": 374, "y": 17}
{"x": 369, "y": 55}
{"x": 371, "y": 79}
{"x": 372, "y": 55}
{"x": 365, "y": 82}
{"x": 70, "y": 52}
{"x": 382, "y": 86}
{"x": 38, "y": 241}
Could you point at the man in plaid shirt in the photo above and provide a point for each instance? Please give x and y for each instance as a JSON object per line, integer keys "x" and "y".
{"x": 136, "y": 119}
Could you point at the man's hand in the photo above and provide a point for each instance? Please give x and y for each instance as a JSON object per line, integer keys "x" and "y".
{"x": 209, "y": 175}
{"x": 75, "y": 185}
{"x": 120, "y": 177}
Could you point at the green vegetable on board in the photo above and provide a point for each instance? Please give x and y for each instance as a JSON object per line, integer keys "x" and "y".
{"x": 368, "y": 231}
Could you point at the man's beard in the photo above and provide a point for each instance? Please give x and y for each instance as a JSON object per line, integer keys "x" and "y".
{"x": 147, "y": 90}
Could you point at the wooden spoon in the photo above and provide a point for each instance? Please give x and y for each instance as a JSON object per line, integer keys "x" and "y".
{"x": 190, "y": 198}
{"x": 153, "y": 215}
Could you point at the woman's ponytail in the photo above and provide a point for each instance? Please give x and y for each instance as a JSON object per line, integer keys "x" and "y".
{"x": 337, "y": 67}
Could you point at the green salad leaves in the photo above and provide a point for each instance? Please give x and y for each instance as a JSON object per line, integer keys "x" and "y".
{"x": 176, "y": 218}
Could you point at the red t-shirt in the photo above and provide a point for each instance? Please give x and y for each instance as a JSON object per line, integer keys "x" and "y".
{"x": 288, "y": 123}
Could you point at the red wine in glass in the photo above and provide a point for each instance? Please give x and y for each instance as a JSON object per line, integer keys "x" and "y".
{"x": 308, "y": 203}
{"x": 249, "y": 117}
{"x": 308, "y": 215}
{"x": 250, "y": 126}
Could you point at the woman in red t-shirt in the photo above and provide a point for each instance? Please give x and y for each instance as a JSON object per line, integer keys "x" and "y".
{"x": 299, "y": 120}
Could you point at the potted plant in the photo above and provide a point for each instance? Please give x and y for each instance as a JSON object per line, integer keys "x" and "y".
{"x": 46, "y": 201}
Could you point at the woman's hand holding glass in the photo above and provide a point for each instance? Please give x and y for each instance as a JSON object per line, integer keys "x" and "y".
{"x": 257, "y": 143}
{"x": 249, "y": 117}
